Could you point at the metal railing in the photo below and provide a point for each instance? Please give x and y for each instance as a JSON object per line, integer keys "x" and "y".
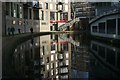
{"x": 69, "y": 23}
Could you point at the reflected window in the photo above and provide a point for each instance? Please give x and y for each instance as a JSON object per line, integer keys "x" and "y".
{"x": 15, "y": 50}
{"x": 64, "y": 77}
{"x": 67, "y": 55}
{"x": 94, "y": 28}
{"x": 56, "y": 57}
{"x": 52, "y": 65}
{"x": 57, "y": 77}
{"x": 47, "y": 66}
{"x": 47, "y": 50}
{"x": 52, "y": 47}
{"x": 43, "y": 49}
{"x": 47, "y": 60}
{"x": 41, "y": 54}
{"x": 94, "y": 47}
{"x": 64, "y": 70}
{"x": 67, "y": 62}
{"x": 56, "y": 71}
{"x": 60, "y": 56}
{"x": 61, "y": 63}
{"x": 42, "y": 61}
{"x": 52, "y": 72}
{"x": 56, "y": 64}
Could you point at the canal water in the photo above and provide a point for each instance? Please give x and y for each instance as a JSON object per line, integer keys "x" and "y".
{"x": 64, "y": 56}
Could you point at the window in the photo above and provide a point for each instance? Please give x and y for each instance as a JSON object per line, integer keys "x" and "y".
{"x": 42, "y": 61}
{"x": 52, "y": 57}
{"x": 66, "y": 1}
{"x": 52, "y": 15}
{"x": 51, "y": 0}
{"x": 46, "y": 5}
{"x": 20, "y": 12}
{"x": 14, "y": 22}
{"x": 59, "y": 0}
{"x": 51, "y": 6}
{"x": 14, "y": 13}
{"x": 47, "y": 50}
{"x": 47, "y": 60}
{"x": 41, "y": 5}
{"x": 42, "y": 15}
{"x": 66, "y": 7}
{"x": 59, "y": 7}
{"x": 30, "y": 15}
{"x": 52, "y": 47}
{"x": 46, "y": 15}
{"x": 12, "y": 9}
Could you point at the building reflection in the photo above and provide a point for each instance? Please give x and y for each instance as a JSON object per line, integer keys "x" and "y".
{"x": 25, "y": 60}
{"x": 80, "y": 57}
{"x": 44, "y": 57}
{"x": 108, "y": 56}
{"x": 55, "y": 58}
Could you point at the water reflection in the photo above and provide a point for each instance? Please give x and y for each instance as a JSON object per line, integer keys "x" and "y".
{"x": 25, "y": 59}
{"x": 109, "y": 56}
{"x": 65, "y": 56}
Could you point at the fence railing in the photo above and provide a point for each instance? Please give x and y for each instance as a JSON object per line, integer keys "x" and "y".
{"x": 69, "y": 23}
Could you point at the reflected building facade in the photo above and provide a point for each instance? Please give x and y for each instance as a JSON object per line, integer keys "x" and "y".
{"x": 25, "y": 61}
{"x": 55, "y": 64}
{"x": 108, "y": 57}
{"x": 80, "y": 57}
